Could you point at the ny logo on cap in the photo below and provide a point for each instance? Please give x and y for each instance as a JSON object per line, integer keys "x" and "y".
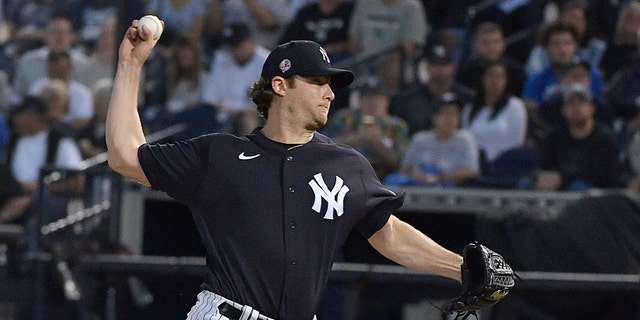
{"x": 325, "y": 57}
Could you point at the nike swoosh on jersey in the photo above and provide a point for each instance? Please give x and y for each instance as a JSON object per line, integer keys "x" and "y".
{"x": 242, "y": 156}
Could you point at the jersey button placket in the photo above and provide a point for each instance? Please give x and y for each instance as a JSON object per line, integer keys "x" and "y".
{"x": 290, "y": 181}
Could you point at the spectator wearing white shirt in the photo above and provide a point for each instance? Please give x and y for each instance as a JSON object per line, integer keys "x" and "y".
{"x": 32, "y": 66}
{"x": 36, "y": 145}
{"x": 233, "y": 70}
{"x": 497, "y": 119}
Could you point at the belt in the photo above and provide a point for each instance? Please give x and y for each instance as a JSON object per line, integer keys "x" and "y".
{"x": 235, "y": 311}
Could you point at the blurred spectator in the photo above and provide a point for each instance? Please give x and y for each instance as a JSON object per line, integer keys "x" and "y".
{"x": 561, "y": 44}
{"x": 266, "y": 19}
{"x": 36, "y": 145}
{"x": 370, "y": 129}
{"x": 623, "y": 95}
{"x": 89, "y": 18}
{"x": 91, "y": 139}
{"x": 325, "y": 22}
{"x": 386, "y": 24}
{"x": 185, "y": 75}
{"x": 32, "y": 16}
{"x": 488, "y": 45}
{"x": 59, "y": 66}
{"x": 446, "y": 155}
{"x": 449, "y": 14}
{"x": 55, "y": 93}
{"x": 416, "y": 104}
{"x": 181, "y": 17}
{"x": 590, "y": 48}
{"x": 379, "y": 25}
{"x": 496, "y": 118}
{"x": 101, "y": 61}
{"x": 234, "y": 69}
{"x": 624, "y": 46}
{"x": 550, "y": 109}
{"x": 517, "y": 18}
{"x": 581, "y": 155}
{"x": 32, "y": 66}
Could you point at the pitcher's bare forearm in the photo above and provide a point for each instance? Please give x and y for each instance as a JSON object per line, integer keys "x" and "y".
{"x": 407, "y": 246}
{"x": 124, "y": 133}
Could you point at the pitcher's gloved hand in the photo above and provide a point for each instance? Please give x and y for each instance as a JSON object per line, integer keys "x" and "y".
{"x": 486, "y": 279}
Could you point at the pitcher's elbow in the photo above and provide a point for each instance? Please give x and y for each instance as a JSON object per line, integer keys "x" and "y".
{"x": 114, "y": 164}
{"x": 117, "y": 160}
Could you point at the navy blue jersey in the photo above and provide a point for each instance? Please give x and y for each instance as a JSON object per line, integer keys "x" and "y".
{"x": 271, "y": 216}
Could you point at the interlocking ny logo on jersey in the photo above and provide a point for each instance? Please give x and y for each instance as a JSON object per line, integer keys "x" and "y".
{"x": 334, "y": 197}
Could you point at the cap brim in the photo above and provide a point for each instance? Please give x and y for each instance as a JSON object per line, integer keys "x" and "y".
{"x": 340, "y": 78}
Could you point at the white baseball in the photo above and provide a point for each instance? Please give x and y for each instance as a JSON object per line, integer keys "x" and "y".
{"x": 152, "y": 23}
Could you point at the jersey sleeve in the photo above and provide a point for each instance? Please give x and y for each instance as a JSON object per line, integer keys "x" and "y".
{"x": 176, "y": 168}
{"x": 380, "y": 202}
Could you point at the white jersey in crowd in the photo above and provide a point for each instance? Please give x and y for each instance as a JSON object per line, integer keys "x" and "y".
{"x": 229, "y": 83}
{"x": 506, "y": 131}
{"x": 30, "y": 155}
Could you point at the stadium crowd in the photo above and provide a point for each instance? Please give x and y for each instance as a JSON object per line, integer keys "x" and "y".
{"x": 518, "y": 94}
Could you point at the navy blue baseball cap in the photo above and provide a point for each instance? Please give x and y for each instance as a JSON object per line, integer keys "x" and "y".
{"x": 303, "y": 58}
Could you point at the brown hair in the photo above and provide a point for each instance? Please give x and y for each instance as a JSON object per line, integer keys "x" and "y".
{"x": 549, "y": 30}
{"x": 176, "y": 71}
{"x": 262, "y": 95}
{"x": 487, "y": 27}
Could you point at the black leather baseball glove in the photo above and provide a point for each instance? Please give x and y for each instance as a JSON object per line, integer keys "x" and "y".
{"x": 486, "y": 279}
